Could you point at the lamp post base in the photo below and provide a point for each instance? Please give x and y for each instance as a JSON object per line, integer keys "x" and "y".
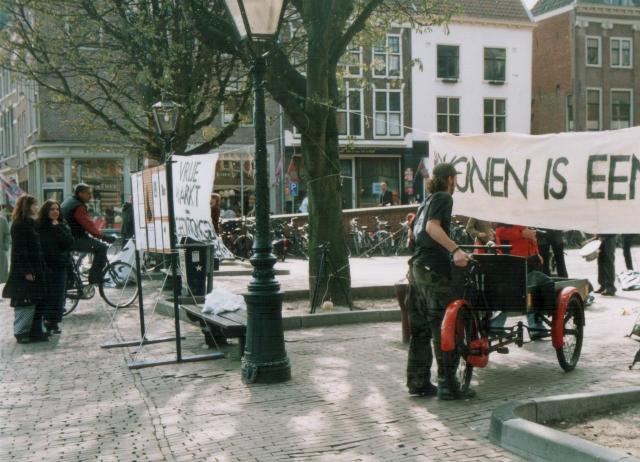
{"x": 271, "y": 372}
{"x": 265, "y": 358}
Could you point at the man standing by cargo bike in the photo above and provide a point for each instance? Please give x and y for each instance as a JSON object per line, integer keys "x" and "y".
{"x": 430, "y": 283}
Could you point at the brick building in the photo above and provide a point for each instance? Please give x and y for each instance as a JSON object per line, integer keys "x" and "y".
{"x": 586, "y": 57}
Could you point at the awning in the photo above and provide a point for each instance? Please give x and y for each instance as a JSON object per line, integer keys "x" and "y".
{"x": 235, "y": 152}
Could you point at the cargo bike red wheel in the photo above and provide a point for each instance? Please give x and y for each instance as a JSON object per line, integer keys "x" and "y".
{"x": 459, "y": 338}
{"x": 567, "y": 328}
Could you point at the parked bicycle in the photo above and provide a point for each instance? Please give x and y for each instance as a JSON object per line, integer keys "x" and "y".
{"x": 297, "y": 239}
{"x": 459, "y": 233}
{"x": 401, "y": 239}
{"x": 119, "y": 286}
{"x": 361, "y": 241}
{"x": 382, "y": 238}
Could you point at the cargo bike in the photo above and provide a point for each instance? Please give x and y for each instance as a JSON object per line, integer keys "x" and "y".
{"x": 493, "y": 283}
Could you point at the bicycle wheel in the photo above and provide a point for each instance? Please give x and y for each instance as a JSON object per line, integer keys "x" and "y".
{"x": 382, "y": 240}
{"x": 120, "y": 285}
{"x": 72, "y": 296}
{"x": 83, "y": 262}
{"x": 457, "y": 370}
{"x": 116, "y": 247}
{"x": 572, "y": 333}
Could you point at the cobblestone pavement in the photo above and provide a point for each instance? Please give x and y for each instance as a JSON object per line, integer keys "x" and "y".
{"x": 70, "y": 400}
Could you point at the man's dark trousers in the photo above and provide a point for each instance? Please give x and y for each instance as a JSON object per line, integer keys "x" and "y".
{"x": 606, "y": 262}
{"x": 627, "y": 240}
{"x": 433, "y": 294}
{"x": 553, "y": 242}
{"x": 99, "y": 250}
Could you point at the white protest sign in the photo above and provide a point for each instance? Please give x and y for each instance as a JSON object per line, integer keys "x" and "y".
{"x": 137, "y": 199}
{"x": 587, "y": 181}
{"x": 150, "y": 210}
{"x": 192, "y": 185}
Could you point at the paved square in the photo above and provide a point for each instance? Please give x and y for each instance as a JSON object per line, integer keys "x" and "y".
{"x": 70, "y": 400}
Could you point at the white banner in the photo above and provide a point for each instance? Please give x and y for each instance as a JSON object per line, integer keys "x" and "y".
{"x": 192, "y": 185}
{"x": 586, "y": 181}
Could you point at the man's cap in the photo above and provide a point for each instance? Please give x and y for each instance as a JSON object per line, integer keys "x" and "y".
{"x": 81, "y": 187}
{"x": 444, "y": 170}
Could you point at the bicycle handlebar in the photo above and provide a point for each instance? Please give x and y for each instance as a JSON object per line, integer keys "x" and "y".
{"x": 485, "y": 247}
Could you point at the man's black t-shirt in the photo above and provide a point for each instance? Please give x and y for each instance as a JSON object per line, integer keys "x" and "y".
{"x": 427, "y": 251}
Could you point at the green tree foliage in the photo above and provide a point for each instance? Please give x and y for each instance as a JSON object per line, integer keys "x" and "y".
{"x": 110, "y": 60}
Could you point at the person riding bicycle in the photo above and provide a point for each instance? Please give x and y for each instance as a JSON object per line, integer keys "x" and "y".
{"x": 87, "y": 236}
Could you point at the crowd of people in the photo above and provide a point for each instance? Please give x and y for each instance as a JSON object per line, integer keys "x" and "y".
{"x": 41, "y": 239}
{"x": 430, "y": 274}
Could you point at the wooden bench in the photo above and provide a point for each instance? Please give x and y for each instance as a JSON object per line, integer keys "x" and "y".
{"x": 217, "y": 328}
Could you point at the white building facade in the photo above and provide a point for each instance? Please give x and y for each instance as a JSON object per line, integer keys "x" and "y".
{"x": 474, "y": 77}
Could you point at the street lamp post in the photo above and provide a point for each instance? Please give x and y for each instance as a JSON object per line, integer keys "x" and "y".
{"x": 165, "y": 114}
{"x": 265, "y": 359}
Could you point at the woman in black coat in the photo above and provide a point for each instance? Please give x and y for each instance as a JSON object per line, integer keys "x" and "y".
{"x": 56, "y": 241}
{"x": 26, "y": 285}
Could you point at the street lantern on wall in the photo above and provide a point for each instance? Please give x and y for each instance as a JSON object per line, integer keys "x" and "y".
{"x": 265, "y": 359}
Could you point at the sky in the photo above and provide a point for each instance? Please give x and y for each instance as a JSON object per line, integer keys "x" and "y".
{"x": 529, "y": 3}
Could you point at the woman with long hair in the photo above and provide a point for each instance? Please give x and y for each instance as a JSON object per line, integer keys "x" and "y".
{"x": 26, "y": 285}
{"x": 56, "y": 241}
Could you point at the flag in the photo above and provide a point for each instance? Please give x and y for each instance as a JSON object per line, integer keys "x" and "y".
{"x": 422, "y": 168}
{"x": 11, "y": 188}
{"x": 292, "y": 171}
{"x": 278, "y": 173}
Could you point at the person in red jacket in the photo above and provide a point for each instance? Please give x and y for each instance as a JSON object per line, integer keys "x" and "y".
{"x": 524, "y": 244}
{"x": 87, "y": 236}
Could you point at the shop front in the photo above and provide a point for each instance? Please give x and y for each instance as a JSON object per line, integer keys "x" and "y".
{"x": 235, "y": 179}
{"x": 362, "y": 172}
{"x": 54, "y": 170}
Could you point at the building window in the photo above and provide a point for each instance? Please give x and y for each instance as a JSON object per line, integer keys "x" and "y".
{"x": 620, "y": 109}
{"x": 387, "y": 57}
{"x": 388, "y": 113}
{"x": 621, "y": 52}
{"x": 594, "y": 115}
{"x": 349, "y": 114}
{"x": 569, "y": 112}
{"x": 370, "y": 172}
{"x": 495, "y": 60}
{"x": 9, "y": 133}
{"x": 448, "y": 57}
{"x": 52, "y": 170}
{"x": 495, "y": 118}
{"x": 351, "y": 61}
{"x": 448, "y": 114}
{"x": 594, "y": 55}
{"x": 105, "y": 178}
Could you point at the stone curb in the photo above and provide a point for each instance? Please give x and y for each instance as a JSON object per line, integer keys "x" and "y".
{"x": 321, "y": 319}
{"x": 356, "y": 292}
{"x": 515, "y": 427}
{"x": 340, "y": 318}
